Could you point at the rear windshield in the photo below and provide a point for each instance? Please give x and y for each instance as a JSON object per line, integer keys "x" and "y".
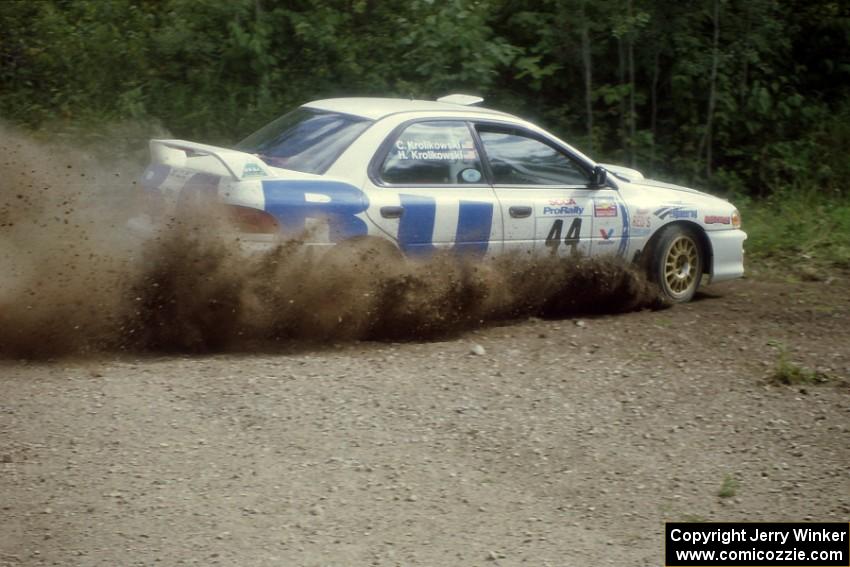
{"x": 305, "y": 139}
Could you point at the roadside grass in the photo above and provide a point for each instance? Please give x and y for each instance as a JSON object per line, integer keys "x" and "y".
{"x": 799, "y": 233}
{"x": 728, "y": 488}
{"x": 788, "y": 373}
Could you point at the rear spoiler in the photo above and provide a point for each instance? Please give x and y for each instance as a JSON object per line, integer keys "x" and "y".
{"x": 462, "y": 99}
{"x": 224, "y": 162}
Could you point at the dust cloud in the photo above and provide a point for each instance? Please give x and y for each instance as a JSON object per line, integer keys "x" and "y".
{"x": 64, "y": 265}
{"x": 76, "y": 281}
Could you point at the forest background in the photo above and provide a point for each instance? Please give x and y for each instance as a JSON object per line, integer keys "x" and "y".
{"x": 749, "y": 99}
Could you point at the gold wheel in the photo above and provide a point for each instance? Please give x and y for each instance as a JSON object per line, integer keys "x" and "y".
{"x": 682, "y": 266}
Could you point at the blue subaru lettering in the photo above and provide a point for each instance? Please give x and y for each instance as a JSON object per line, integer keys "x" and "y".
{"x": 416, "y": 227}
{"x": 338, "y": 202}
{"x": 473, "y": 228}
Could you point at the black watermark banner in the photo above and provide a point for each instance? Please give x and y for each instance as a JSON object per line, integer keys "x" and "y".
{"x": 805, "y": 544}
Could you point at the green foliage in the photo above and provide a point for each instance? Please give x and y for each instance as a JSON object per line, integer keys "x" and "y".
{"x": 728, "y": 488}
{"x": 790, "y": 374}
{"x": 798, "y": 231}
{"x": 214, "y": 71}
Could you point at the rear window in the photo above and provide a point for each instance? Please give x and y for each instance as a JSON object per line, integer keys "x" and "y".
{"x": 305, "y": 139}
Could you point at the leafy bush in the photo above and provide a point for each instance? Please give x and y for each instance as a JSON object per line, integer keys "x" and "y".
{"x": 743, "y": 96}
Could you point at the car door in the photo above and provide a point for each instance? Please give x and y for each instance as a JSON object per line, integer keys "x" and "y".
{"x": 548, "y": 205}
{"x": 429, "y": 191}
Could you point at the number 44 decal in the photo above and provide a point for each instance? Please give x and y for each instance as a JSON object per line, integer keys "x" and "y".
{"x": 553, "y": 239}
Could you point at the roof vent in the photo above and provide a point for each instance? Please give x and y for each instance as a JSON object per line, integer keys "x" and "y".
{"x": 462, "y": 99}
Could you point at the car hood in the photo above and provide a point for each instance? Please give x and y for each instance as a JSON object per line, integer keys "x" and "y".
{"x": 650, "y": 183}
{"x": 635, "y": 177}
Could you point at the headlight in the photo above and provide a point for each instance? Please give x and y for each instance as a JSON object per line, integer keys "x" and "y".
{"x": 736, "y": 219}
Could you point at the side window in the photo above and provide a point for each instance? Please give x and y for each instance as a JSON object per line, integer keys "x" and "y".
{"x": 516, "y": 158}
{"x": 433, "y": 153}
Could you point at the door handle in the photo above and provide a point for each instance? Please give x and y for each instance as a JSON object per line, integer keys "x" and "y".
{"x": 520, "y": 212}
{"x": 392, "y": 212}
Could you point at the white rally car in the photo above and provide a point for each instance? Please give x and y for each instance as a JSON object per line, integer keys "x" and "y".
{"x": 426, "y": 175}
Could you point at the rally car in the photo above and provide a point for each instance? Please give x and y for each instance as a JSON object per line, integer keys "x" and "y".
{"x": 421, "y": 176}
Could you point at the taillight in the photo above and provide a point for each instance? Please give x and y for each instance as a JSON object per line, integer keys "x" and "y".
{"x": 250, "y": 220}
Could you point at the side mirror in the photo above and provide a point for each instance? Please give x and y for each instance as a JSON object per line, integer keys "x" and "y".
{"x": 599, "y": 177}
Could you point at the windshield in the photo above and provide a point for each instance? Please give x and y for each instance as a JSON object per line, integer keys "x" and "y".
{"x": 305, "y": 139}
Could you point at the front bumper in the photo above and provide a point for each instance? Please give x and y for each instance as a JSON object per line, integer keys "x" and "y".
{"x": 727, "y": 247}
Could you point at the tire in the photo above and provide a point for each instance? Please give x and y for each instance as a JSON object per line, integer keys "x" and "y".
{"x": 677, "y": 263}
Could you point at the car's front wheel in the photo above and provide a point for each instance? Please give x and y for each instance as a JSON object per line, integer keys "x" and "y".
{"x": 677, "y": 263}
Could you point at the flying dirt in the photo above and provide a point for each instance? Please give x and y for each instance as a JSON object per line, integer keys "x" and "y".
{"x": 465, "y": 433}
{"x": 76, "y": 281}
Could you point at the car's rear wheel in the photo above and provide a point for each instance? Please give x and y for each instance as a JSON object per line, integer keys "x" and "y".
{"x": 677, "y": 263}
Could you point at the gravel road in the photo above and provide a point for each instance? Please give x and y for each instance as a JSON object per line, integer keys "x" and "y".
{"x": 533, "y": 442}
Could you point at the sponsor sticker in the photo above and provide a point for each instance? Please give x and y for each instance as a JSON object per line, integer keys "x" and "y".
{"x": 641, "y": 221}
{"x": 181, "y": 173}
{"x": 471, "y": 175}
{"x": 562, "y": 202}
{"x": 564, "y": 211}
{"x": 251, "y": 169}
{"x": 715, "y": 219}
{"x": 641, "y": 218}
{"x": 676, "y": 213}
{"x": 606, "y": 235}
{"x": 604, "y": 208}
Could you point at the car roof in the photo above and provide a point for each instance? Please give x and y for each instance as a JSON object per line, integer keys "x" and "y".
{"x": 377, "y": 108}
